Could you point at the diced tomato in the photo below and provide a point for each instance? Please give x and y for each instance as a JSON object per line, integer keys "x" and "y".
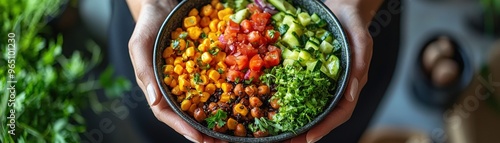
{"x": 253, "y": 75}
{"x": 272, "y": 35}
{"x": 242, "y": 38}
{"x": 246, "y": 26}
{"x": 273, "y": 48}
{"x": 272, "y": 58}
{"x": 254, "y": 36}
{"x": 230, "y": 60}
{"x": 262, "y": 49}
{"x": 261, "y": 19}
{"x": 233, "y": 27}
{"x": 247, "y": 50}
{"x": 242, "y": 62}
{"x": 256, "y": 63}
{"x": 232, "y": 75}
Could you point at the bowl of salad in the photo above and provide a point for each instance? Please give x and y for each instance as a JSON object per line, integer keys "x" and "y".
{"x": 252, "y": 70}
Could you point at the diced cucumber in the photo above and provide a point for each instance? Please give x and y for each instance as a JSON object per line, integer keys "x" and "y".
{"x": 315, "y": 18}
{"x": 313, "y": 65}
{"x": 283, "y": 5}
{"x": 288, "y": 62}
{"x": 336, "y": 45}
{"x": 326, "y": 47}
{"x": 288, "y": 20}
{"x": 297, "y": 28}
{"x": 331, "y": 67}
{"x": 324, "y": 35}
{"x": 322, "y": 23}
{"x": 290, "y": 54}
{"x": 315, "y": 40}
{"x": 304, "y": 57}
{"x": 304, "y": 18}
{"x": 291, "y": 39}
{"x": 309, "y": 33}
{"x": 240, "y": 15}
{"x": 311, "y": 45}
{"x": 279, "y": 16}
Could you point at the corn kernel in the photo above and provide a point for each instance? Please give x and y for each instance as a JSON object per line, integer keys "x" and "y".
{"x": 168, "y": 69}
{"x": 183, "y": 84}
{"x": 202, "y": 47}
{"x": 178, "y": 69}
{"x": 210, "y": 88}
{"x": 167, "y": 80}
{"x": 206, "y": 30}
{"x": 206, "y": 57}
{"x": 194, "y": 32}
{"x": 214, "y": 75}
{"x": 190, "y": 21}
{"x": 204, "y": 97}
{"x": 204, "y": 80}
{"x": 214, "y": 14}
{"x": 205, "y": 21}
{"x": 213, "y": 25}
{"x": 169, "y": 60}
{"x": 221, "y": 26}
{"x": 207, "y": 10}
{"x": 219, "y": 6}
{"x": 181, "y": 98}
{"x": 167, "y": 52}
{"x": 178, "y": 61}
{"x": 173, "y": 83}
{"x": 225, "y": 12}
{"x": 214, "y": 2}
{"x": 224, "y": 97}
{"x": 226, "y": 87}
{"x": 199, "y": 88}
{"x": 193, "y": 12}
{"x": 185, "y": 105}
{"x": 239, "y": 108}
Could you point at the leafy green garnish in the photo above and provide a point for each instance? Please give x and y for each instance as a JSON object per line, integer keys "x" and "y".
{"x": 263, "y": 124}
{"x": 302, "y": 95}
{"x": 183, "y": 35}
{"x": 220, "y": 71}
{"x": 175, "y": 44}
{"x": 197, "y": 78}
{"x": 214, "y": 50}
{"x": 203, "y": 35}
{"x": 217, "y": 119}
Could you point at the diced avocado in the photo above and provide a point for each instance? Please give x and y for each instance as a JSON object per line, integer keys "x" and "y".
{"x": 278, "y": 17}
{"x": 291, "y": 39}
{"x": 313, "y": 65}
{"x": 326, "y": 47}
{"x": 331, "y": 67}
{"x": 283, "y": 5}
{"x": 240, "y": 15}
{"x": 304, "y": 18}
{"x": 311, "y": 45}
{"x": 315, "y": 18}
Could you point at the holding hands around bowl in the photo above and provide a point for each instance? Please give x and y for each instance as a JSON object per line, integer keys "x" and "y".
{"x": 354, "y": 15}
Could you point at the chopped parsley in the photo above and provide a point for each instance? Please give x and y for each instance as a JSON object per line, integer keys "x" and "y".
{"x": 183, "y": 35}
{"x": 197, "y": 78}
{"x": 217, "y": 119}
{"x": 214, "y": 50}
{"x": 220, "y": 71}
{"x": 203, "y": 35}
{"x": 175, "y": 44}
{"x": 271, "y": 33}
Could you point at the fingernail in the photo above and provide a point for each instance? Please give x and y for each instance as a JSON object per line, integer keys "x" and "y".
{"x": 354, "y": 90}
{"x": 314, "y": 140}
{"x": 151, "y": 94}
{"x": 191, "y": 139}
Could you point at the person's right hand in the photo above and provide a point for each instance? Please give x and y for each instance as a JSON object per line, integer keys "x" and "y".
{"x": 150, "y": 15}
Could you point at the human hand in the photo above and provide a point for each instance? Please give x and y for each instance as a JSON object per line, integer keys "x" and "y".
{"x": 355, "y": 22}
{"x": 149, "y": 17}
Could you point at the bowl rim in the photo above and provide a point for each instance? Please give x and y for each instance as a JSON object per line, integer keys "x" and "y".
{"x": 342, "y": 84}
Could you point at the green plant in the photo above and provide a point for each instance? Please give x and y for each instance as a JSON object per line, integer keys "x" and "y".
{"x": 51, "y": 88}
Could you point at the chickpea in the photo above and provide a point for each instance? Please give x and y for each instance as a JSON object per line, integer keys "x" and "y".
{"x": 220, "y": 129}
{"x": 199, "y": 114}
{"x": 244, "y": 101}
{"x": 212, "y": 106}
{"x": 263, "y": 90}
{"x": 270, "y": 115}
{"x": 260, "y": 134}
{"x": 238, "y": 90}
{"x": 250, "y": 90}
{"x": 256, "y": 112}
{"x": 274, "y": 104}
{"x": 255, "y": 102}
{"x": 240, "y": 130}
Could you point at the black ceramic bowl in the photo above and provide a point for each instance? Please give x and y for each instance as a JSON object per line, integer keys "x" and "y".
{"x": 174, "y": 20}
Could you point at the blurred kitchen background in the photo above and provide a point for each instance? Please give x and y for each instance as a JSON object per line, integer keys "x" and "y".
{"x": 445, "y": 86}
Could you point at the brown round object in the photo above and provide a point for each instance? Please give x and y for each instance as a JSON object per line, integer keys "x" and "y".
{"x": 220, "y": 129}
{"x": 445, "y": 72}
{"x": 263, "y": 90}
{"x": 240, "y": 130}
{"x": 199, "y": 114}
{"x": 259, "y": 134}
{"x": 445, "y": 47}
{"x": 251, "y": 90}
{"x": 255, "y": 102}
{"x": 256, "y": 112}
{"x": 270, "y": 115}
{"x": 238, "y": 89}
{"x": 274, "y": 104}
